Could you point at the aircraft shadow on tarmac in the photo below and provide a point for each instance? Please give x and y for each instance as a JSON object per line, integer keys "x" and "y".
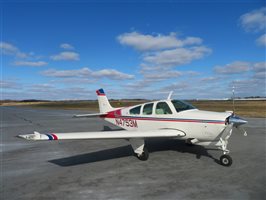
{"x": 153, "y": 145}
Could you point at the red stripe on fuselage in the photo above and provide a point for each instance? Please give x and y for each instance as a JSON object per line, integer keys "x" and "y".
{"x": 114, "y": 114}
{"x": 111, "y": 115}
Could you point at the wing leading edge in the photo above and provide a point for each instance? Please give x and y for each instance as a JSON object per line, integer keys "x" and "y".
{"x": 166, "y": 133}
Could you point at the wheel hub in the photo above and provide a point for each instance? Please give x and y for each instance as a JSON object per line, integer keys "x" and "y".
{"x": 225, "y": 161}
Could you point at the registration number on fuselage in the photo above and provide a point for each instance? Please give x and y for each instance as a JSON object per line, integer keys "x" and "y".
{"x": 126, "y": 122}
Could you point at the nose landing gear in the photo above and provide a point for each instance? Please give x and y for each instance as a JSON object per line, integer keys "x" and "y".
{"x": 226, "y": 160}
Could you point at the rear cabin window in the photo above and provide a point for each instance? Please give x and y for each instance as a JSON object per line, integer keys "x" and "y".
{"x": 135, "y": 111}
{"x": 147, "y": 109}
{"x": 162, "y": 108}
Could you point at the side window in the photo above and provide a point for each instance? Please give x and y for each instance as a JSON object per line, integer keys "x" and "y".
{"x": 162, "y": 108}
{"x": 135, "y": 111}
{"x": 147, "y": 109}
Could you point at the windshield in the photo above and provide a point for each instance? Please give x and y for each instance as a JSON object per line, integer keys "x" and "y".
{"x": 181, "y": 105}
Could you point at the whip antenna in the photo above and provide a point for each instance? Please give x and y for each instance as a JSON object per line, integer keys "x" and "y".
{"x": 233, "y": 98}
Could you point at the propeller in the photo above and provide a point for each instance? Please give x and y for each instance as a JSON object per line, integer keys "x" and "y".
{"x": 237, "y": 123}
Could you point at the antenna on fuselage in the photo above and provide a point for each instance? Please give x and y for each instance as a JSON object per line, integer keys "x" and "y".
{"x": 233, "y": 98}
{"x": 170, "y": 95}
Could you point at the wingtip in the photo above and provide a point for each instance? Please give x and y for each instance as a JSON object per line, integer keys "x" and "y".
{"x": 21, "y": 136}
{"x": 34, "y": 136}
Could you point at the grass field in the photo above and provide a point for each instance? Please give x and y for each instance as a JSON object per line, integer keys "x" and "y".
{"x": 248, "y": 108}
{"x": 245, "y": 108}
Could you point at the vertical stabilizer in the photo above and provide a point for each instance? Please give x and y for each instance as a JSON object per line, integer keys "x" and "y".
{"x": 104, "y": 104}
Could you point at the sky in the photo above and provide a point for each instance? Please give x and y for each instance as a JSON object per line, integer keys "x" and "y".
{"x": 58, "y": 50}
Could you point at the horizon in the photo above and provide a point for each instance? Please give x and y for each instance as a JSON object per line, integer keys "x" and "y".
{"x": 144, "y": 99}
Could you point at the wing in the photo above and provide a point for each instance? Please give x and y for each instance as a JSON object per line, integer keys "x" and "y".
{"x": 166, "y": 133}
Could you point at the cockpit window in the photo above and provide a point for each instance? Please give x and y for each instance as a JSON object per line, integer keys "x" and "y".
{"x": 181, "y": 105}
{"x": 162, "y": 108}
{"x": 147, "y": 109}
{"x": 135, "y": 111}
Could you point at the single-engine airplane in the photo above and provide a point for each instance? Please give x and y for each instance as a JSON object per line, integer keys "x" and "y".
{"x": 159, "y": 119}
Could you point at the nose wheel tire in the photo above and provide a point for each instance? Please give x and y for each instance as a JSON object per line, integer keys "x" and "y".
{"x": 226, "y": 160}
{"x": 145, "y": 155}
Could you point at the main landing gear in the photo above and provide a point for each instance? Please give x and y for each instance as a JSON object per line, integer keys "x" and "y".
{"x": 138, "y": 146}
{"x": 144, "y": 155}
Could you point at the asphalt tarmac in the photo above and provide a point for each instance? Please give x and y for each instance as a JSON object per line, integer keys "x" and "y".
{"x": 107, "y": 169}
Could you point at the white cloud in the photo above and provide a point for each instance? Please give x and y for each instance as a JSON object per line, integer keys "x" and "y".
{"x": 30, "y": 63}
{"x": 66, "y": 55}
{"x": 139, "y": 84}
{"x": 10, "y": 49}
{"x": 209, "y": 79}
{"x": 254, "y": 21}
{"x": 149, "y": 42}
{"x": 66, "y": 46}
{"x": 236, "y": 67}
{"x": 192, "y": 41}
{"x": 41, "y": 88}
{"x": 260, "y": 71}
{"x": 175, "y": 57}
{"x": 260, "y": 75}
{"x": 261, "y": 41}
{"x": 86, "y": 73}
{"x": 164, "y": 51}
{"x": 259, "y": 66}
{"x": 249, "y": 87}
{"x": 161, "y": 53}
{"x": 191, "y": 73}
{"x": 162, "y": 76}
{"x": 150, "y": 78}
{"x": 111, "y": 74}
{"x": 176, "y": 87}
{"x": 8, "y": 84}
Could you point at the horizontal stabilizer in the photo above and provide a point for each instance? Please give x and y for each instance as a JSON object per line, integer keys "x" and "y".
{"x": 166, "y": 133}
{"x": 90, "y": 115}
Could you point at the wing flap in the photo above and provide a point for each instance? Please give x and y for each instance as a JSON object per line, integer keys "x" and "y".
{"x": 166, "y": 133}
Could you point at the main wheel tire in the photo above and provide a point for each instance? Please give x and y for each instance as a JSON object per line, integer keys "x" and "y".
{"x": 145, "y": 155}
{"x": 226, "y": 160}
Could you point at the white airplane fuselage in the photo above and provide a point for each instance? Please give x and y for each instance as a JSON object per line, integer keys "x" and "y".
{"x": 203, "y": 125}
